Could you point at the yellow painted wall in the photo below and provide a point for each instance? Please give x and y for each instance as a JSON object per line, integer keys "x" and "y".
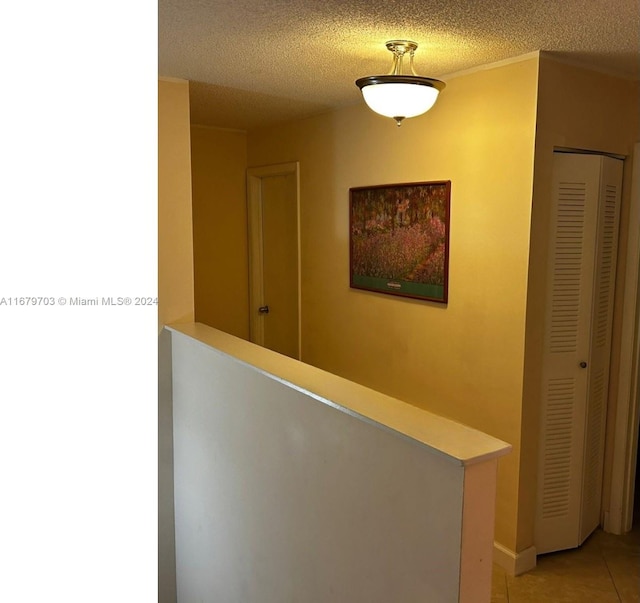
{"x": 464, "y": 360}
{"x": 219, "y": 163}
{"x": 578, "y": 109}
{"x": 175, "y": 239}
{"x": 475, "y": 360}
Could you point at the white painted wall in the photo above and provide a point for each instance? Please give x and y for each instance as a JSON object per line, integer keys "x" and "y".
{"x": 284, "y": 494}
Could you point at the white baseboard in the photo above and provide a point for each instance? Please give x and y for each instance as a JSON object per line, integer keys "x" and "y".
{"x": 514, "y": 563}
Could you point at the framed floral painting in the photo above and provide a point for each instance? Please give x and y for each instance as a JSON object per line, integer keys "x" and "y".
{"x": 399, "y": 239}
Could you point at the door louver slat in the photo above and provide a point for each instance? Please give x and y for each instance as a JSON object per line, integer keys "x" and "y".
{"x": 606, "y": 263}
{"x": 569, "y": 236}
{"x": 557, "y": 458}
{"x": 595, "y": 433}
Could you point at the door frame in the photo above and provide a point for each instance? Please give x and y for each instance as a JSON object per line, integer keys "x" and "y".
{"x": 619, "y": 518}
{"x": 255, "y": 175}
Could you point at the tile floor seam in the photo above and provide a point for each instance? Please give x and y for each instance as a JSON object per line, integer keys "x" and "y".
{"x": 606, "y": 564}
{"x": 604, "y": 567}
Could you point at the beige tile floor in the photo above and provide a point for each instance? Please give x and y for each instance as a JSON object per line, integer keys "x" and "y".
{"x": 606, "y": 568}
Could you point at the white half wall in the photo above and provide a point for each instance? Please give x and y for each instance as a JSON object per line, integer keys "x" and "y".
{"x": 286, "y": 493}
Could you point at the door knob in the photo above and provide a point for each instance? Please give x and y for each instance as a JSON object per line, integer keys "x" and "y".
{"x": 583, "y": 364}
{"x": 263, "y": 309}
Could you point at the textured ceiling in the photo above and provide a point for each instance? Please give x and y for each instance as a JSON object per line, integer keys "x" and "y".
{"x": 254, "y": 62}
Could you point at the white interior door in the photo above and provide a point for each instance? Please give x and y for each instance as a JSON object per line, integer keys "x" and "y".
{"x": 610, "y": 195}
{"x": 274, "y": 257}
{"x": 581, "y": 274}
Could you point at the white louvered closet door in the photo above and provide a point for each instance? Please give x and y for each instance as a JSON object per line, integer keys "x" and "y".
{"x": 600, "y": 348}
{"x": 577, "y": 341}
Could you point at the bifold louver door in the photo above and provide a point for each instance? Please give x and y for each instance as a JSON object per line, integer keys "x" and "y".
{"x": 577, "y": 346}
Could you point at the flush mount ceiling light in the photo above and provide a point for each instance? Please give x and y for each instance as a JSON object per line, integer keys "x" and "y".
{"x": 399, "y": 95}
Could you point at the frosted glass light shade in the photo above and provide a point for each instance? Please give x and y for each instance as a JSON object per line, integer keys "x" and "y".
{"x": 399, "y": 100}
{"x": 399, "y": 96}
